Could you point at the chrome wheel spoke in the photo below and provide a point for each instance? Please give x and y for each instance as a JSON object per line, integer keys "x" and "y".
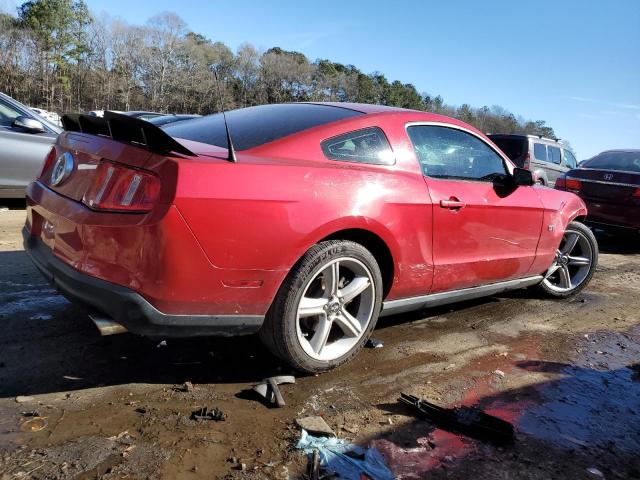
{"x": 355, "y": 288}
{"x": 321, "y": 335}
{"x": 570, "y": 243}
{"x": 565, "y": 277}
{"x": 552, "y": 269}
{"x": 579, "y": 261}
{"x": 331, "y": 276}
{"x": 311, "y": 306}
{"x": 348, "y": 323}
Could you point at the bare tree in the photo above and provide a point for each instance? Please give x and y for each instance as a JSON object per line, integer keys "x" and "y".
{"x": 56, "y": 55}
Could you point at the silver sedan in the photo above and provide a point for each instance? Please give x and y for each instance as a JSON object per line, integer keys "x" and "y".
{"x": 25, "y": 140}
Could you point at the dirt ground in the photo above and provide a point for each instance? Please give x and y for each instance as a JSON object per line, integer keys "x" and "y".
{"x": 564, "y": 373}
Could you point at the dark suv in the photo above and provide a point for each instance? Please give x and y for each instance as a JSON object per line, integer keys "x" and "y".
{"x": 546, "y": 158}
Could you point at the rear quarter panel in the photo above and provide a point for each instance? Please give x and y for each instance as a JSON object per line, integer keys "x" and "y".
{"x": 253, "y": 215}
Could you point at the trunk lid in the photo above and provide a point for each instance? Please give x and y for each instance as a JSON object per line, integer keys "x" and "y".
{"x": 87, "y": 152}
{"x": 606, "y": 185}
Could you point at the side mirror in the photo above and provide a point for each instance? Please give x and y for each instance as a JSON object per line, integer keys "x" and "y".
{"x": 522, "y": 177}
{"x": 31, "y": 125}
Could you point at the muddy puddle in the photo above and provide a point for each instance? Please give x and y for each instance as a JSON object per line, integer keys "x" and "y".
{"x": 587, "y": 406}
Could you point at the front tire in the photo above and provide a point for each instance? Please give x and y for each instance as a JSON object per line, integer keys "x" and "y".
{"x": 326, "y": 308}
{"x": 575, "y": 263}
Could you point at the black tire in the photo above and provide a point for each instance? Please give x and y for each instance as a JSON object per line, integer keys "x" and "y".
{"x": 588, "y": 234}
{"x": 279, "y": 332}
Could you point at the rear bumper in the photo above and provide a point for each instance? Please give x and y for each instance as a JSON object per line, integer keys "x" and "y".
{"x": 126, "y": 306}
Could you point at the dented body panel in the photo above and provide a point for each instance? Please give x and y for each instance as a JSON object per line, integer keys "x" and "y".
{"x": 223, "y": 236}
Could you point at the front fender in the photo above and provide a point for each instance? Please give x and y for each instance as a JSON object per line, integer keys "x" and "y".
{"x": 572, "y": 209}
{"x": 560, "y": 209}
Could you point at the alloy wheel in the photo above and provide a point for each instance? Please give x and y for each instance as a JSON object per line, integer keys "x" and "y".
{"x": 572, "y": 263}
{"x": 335, "y": 308}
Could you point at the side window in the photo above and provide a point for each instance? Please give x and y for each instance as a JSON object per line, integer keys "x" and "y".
{"x": 540, "y": 151}
{"x": 569, "y": 159}
{"x": 554, "y": 154}
{"x": 369, "y": 145}
{"x": 7, "y": 114}
{"x": 445, "y": 152}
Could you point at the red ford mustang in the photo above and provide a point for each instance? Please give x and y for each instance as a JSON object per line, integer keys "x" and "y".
{"x": 325, "y": 217}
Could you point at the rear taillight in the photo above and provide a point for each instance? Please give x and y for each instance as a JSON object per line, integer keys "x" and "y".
{"x": 48, "y": 161}
{"x": 118, "y": 188}
{"x": 573, "y": 184}
{"x": 636, "y": 192}
{"x": 527, "y": 161}
{"x": 564, "y": 183}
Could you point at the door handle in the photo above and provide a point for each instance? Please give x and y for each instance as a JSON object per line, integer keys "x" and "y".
{"x": 453, "y": 203}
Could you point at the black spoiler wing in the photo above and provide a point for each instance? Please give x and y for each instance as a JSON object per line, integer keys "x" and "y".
{"x": 123, "y": 128}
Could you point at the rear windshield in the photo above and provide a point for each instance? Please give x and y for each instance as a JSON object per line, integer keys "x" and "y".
{"x": 513, "y": 148}
{"x": 255, "y": 126}
{"x": 623, "y": 161}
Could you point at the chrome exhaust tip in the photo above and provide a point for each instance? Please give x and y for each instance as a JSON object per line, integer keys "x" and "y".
{"x": 106, "y": 326}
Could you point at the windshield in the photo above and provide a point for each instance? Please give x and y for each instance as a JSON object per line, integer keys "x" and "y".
{"x": 254, "y": 126}
{"x": 622, "y": 161}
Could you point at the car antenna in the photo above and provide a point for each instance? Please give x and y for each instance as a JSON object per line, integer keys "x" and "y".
{"x": 232, "y": 151}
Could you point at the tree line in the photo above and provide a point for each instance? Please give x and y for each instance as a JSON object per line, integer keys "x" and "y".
{"x": 55, "y": 55}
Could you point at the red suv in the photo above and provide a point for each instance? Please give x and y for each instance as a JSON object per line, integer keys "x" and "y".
{"x": 322, "y": 218}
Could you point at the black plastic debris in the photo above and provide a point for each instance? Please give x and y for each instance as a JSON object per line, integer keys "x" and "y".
{"x": 268, "y": 389}
{"x": 465, "y": 420}
{"x": 313, "y": 466}
{"x": 374, "y": 343}
{"x": 30, "y": 413}
{"x": 204, "y": 413}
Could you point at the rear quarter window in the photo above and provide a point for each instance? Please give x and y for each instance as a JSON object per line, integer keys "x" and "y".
{"x": 540, "y": 151}
{"x": 368, "y": 145}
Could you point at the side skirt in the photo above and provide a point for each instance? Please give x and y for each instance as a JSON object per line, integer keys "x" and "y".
{"x": 393, "y": 307}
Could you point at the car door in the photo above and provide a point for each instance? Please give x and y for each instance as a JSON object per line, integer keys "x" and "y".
{"x": 21, "y": 153}
{"x": 484, "y": 231}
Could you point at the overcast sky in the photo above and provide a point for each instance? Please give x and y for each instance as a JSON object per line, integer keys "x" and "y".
{"x": 575, "y": 64}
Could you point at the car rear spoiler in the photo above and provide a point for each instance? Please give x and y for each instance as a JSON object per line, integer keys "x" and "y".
{"x": 123, "y": 128}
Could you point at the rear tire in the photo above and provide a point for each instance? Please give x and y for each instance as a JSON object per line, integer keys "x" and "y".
{"x": 326, "y": 308}
{"x": 575, "y": 263}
